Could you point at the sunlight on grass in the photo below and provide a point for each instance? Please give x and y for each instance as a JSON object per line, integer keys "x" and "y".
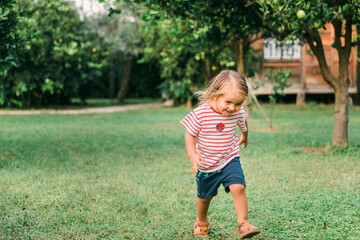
{"x": 126, "y": 176}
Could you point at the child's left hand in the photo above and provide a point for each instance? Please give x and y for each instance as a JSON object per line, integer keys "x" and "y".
{"x": 243, "y": 140}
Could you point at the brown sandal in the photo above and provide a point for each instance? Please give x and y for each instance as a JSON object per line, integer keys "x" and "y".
{"x": 247, "y": 230}
{"x": 201, "y": 228}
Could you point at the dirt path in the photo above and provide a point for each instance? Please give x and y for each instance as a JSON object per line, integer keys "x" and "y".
{"x": 81, "y": 111}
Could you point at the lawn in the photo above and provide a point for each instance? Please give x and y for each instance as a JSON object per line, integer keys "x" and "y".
{"x": 126, "y": 176}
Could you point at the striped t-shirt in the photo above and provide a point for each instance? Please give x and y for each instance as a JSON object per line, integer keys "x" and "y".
{"x": 217, "y": 139}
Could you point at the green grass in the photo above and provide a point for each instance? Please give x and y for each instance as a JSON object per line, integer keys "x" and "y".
{"x": 76, "y": 103}
{"x": 126, "y": 176}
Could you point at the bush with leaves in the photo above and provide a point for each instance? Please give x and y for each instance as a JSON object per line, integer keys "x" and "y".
{"x": 10, "y": 41}
{"x": 178, "y": 67}
{"x": 9, "y": 38}
{"x": 189, "y": 52}
{"x": 277, "y": 79}
{"x": 62, "y": 60}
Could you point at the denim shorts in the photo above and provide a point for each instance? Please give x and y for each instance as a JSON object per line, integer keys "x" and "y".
{"x": 208, "y": 183}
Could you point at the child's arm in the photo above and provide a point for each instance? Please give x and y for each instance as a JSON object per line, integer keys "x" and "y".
{"x": 244, "y": 136}
{"x": 195, "y": 158}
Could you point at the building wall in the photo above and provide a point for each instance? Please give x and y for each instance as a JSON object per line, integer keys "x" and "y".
{"x": 307, "y": 68}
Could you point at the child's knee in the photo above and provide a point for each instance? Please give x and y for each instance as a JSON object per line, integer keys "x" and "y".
{"x": 205, "y": 200}
{"x": 237, "y": 188}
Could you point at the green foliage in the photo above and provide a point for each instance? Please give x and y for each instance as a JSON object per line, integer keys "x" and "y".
{"x": 63, "y": 59}
{"x": 296, "y": 19}
{"x": 221, "y": 20}
{"x": 113, "y": 11}
{"x": 179, "y": 90}
{"x": 277, "y": 79}
{"x": 121, "y": 29}
{"x": 144, "y": 79}
{"x": 253, "y": 61}
{"x": 178, "y": 64}
{"x": 10, "y": 42}
{"x": 89, "y": 177}
{"x": 181, "y": 31}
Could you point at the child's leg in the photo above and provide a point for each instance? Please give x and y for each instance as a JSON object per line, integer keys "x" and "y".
{"x": 202, "y": 208}
{"x": 246, "y": 230}
{"x": 240, "y": 201}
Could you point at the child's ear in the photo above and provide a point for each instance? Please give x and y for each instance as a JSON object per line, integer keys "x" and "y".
{"x": 213, "y": 99}
{"x": 244, "y": 96}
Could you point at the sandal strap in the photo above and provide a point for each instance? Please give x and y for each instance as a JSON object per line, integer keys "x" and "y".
{"x": 201, "y": 228}
{"x": 202, "y": 224}
{"x": 246, "y": 226}
{"x": 244, "y": 222}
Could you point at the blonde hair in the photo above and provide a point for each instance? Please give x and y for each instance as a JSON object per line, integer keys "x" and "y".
{"x": 216, "y": 86}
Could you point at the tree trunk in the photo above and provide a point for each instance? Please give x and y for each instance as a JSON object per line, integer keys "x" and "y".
{"x": 206, "y": 71}
{"x": 341, "y": 120}
{"x": 340, "y": 133}
{"x": 240, "y": 68}
{"x": 240, "y": 56}
{"x": 124, "y": 81}
{"x": 111, "y": 78}
{"x": 341, "y": 83}
{"x": 188, "y": 103}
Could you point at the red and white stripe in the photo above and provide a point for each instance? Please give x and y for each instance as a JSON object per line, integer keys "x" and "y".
{"x": 217, "y": 148}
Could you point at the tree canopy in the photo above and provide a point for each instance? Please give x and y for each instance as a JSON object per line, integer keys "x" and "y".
{"x": 241, "y": 20}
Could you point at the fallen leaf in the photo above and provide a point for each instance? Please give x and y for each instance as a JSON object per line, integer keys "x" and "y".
{"x": 325, "y": 226}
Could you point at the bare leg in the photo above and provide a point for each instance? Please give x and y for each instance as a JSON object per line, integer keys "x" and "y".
{"x": 240, "y": 201}
{"x": 202, "y": 209}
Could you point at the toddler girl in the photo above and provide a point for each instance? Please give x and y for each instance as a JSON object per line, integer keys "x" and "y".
{"x": 212, "y": 145}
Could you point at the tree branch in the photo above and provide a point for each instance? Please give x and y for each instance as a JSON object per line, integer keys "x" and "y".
{"x": 348, "y": 35}
{"x": 279, "y": 35}
{"x": 337, "y": 27}
{"x": 249, "y": 3}
{"x": 353, "y": 44}
{"x": 257, "y": 37}
{"x": 318, "y": 50}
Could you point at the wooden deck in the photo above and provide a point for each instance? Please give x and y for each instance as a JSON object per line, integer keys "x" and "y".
{"x": 296, "y": 88}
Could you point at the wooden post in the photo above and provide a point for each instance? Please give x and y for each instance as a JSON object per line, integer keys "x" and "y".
{"x": 300, "y": 97}
{"x": 356, "y": 96}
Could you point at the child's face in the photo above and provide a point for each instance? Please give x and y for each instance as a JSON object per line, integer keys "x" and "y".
{"x": 229, "y": 103}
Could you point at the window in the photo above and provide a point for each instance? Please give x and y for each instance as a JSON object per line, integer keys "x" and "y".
{"x": 273, "y": 49}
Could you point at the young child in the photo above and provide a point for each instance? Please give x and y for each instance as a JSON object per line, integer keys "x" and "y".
{"x": 212, "y": 145}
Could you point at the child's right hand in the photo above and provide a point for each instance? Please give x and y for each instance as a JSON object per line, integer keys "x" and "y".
{"x": 196, "y": 161}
